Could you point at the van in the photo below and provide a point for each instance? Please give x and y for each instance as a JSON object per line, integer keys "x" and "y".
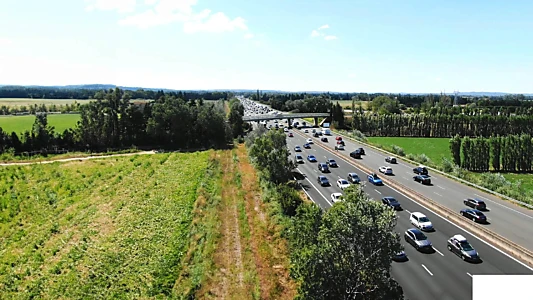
{"x": 326, "y": 131}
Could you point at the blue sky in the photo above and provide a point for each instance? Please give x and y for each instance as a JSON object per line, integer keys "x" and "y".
{"x": 334, "y": 45}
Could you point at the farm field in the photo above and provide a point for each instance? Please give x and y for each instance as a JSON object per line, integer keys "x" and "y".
{"x": 345, "y": 103}
{"x": 19, "y": 124}
{"x": 173, "y": 226}
{"x": 435, "y": 149}
{"x": 47, "y": 102}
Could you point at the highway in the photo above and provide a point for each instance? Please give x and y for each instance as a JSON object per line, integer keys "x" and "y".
{"x": 508, "y": 220}
{"x": 440, "y": 275}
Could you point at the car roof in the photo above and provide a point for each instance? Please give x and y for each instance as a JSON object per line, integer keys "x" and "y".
{"x": 459, "y": 237}
{"x": 389, "y": 197}
{"x": 353, "y": 174}
{"x": 414, "y": 230}
{"x": 322, "y": 177}
{"x": 342, "y": 179}
{"x": 418, "y": 214}
{"x": 476, "y": 199}
{"x": 337, "y": 194}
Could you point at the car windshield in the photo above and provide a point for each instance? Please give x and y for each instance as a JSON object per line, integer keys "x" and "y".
{"x": 423, "y": 219}
{"x": 331, "y": 161}
{"x": 375, "y": 176}
{"x": 298, "y": 157}
{"x": 466, "y": 246}
{"x": 311, "y": 156}
{"x": 420, "y": 236}
{"x": 344, "y": 182}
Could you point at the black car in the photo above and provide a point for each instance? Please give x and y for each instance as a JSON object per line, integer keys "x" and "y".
{"x": 307, "y": 146}
{"x": 391, "y": 202}
{"x": 423, "y": 179}
{"x": 324, "y": 139}
{"x": 421, "y": 170}
{"x": 475, "y": 203}
{"x": 361, "y": 150}
{"x": 474, "y": 215}
{"x": 323, "y": 181}
{"x": 332, "y": 163}
{"x": 417, "y": 239}
{"x": 390, "y": 159}
{"x": 315, "y": 134}
{"x": 355, "y": 154}
{"x": 323, "y": 167}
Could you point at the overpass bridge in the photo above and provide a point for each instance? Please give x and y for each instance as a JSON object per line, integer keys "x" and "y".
{"x": 288, "y": 116}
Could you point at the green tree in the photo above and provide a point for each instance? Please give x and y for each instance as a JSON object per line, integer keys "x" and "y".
{"x": 269, "y": 152}
{"x": 455, "y": 148}
{"x": 235, "y": 116}
{"x": 385, "y": 105}
{"x": 346, "y": 253}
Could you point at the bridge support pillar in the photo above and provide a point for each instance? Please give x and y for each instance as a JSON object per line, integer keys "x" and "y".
{"x": 316, "y": 121}
{"x": 289, "y": 123}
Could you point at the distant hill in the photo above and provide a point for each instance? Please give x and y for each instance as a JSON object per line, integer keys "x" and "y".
{"x": 112, "y": 86}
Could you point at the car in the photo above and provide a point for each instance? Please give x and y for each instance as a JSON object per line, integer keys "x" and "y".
{"x": 323, "y": 181}
{"x": 421, "y": 170}
{"x": 342, "y": 183}
{"x": 418, "y": 239}
{"x": 297, "y": 149}
{"x": 275, "y": 121}
{"x": 355, "y": 154}
{"x": 306, "y": 131}
{"x": 475, "y": 203}
{"x": 311, "y": 158}
{"x": 299, "y": 159}
{"x": 336, "y": 197}
{"x": 339, "y": 147}
{"x": 474, "y": 214}
{"x": 316, "y": 134}
{"x": 353, "y": 178}
{"x": 338, "y": 138}
{"x": 391, "y": 202}
{"x": 284, "y": 129}
{"x": 390, "y": 159}
{"x": 459, "y": 245}
{"x": 423, "y": 179}
{"x": 324, "y": 139}
{"x": 290, "y": 134}
{"x": 362, "y": 151}
{"x": 313, "y": 131}
{"x": 400, "y": 256}
{"x": 374, "y": 179}
{"x": 309, "y": 141}
{"x": 341, "y": 142}
{"x": 323, "y": 167}
{"x": 332, "y": 163}
{"x": 420, "y": 221}
{"x": 307, "y": 146}
{"x": 385, "y": 170}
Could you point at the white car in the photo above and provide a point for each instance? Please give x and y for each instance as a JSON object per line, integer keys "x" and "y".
{"x": 336, "y": 197}
{"x": 306, "y": 131}
{"x": 385, "y": 170}
{"x": 420, "y": 221}
{"x": 285, "y": 130}
{"x": 309, "y": 141}
{"x": 343, "y": 183}
{"x": 299, "y": 159}
{"x": 339, "y": 147}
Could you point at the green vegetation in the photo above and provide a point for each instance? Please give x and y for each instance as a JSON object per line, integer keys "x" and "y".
{"x": 39, "y": 102}
{"x": 347, "y": 104}
{"x": 98, "y": 229}
{"x": 434, "y": 148}
{"x": 19, "y": 124}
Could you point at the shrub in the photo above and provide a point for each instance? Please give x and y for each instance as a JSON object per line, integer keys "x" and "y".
{"x": 447, "y": 165}
{"x": 398, "y": 150}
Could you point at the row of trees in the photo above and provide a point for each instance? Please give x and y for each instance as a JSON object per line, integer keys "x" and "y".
{"x": 343, "y": 253}
{"x": 114, "y": 122}
{"x": 443, "y": 125}
{"x": 97, "y": 91}
{"x": 32, "y": 109}
{"x": 511, "y": 153}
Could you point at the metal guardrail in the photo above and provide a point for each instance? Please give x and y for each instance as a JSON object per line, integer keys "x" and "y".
{"x": 497, "y": 240}
{"x": 442, "y": 173}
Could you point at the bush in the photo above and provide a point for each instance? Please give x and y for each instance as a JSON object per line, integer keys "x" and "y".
{"x": 288, "y": 199}
{"x": 447, "y": 165}
{"x": 398, "y": 150}
{"x": 494, "y": 181}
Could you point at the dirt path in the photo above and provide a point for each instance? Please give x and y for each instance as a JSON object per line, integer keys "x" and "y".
{"x": 74, "y": 159}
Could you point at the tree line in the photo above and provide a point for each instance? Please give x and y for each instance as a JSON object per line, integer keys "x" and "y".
{"x": 441, "y": 125}
{"x": 511, "y": 153}
{"x": 115, "y": 122}
{"x": 341, "y": 253}
{"x": 35, "y": 108}
{"x": 84, "y": 92}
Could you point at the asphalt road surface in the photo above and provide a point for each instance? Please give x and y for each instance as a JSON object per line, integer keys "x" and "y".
{"x": 508, "y": 220}
{"x": 440, "y": 275}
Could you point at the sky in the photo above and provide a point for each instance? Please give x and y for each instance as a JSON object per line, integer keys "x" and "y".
{"x": 388, "y": 46}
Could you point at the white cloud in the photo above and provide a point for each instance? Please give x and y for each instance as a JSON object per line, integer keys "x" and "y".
{"x": 318, "y": 33}
{"x": 315, "y": 33}
{"x": 5, "y": 42}
{"x": 181, "y": 11}
{"x": 150, "y": 2}
{"x": 122, "y": 6}
{"x": 323, "y": 27}
{"x": 249, "y": 36}
{"x": 330, "y": 37}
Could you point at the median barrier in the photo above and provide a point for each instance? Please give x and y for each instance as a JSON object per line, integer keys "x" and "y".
{"x": 496, "y": 240}
{"x": 442, "y": 173}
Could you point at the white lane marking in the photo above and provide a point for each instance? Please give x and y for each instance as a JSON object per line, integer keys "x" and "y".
{"x": 315, "y": 171}
{"x": 407, "y": 211}
{"x": 516, "y": 211}
{"x": 438, "y": 251}
{"x": 477, "y": 237}
{"x": 409, "y": 173}
{"x": 404, "y": 177}
{"x": 437, "y": 194}
{"x": 377, "y": 191}
{"x": 468, "y": 274}
{"x": 440, "y": 187}
{"x": 315, "y": 188}
{"x": 427, "y": 270}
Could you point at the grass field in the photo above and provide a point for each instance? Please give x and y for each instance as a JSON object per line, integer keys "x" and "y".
{"x": 435, "y": 149}
{"x": 348, "y": 103}
{"x": 19, "y": 124}
{"x": 47, "y": 102}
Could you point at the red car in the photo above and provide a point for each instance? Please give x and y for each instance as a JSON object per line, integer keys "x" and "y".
{"x": 339, "y": 138}
{"x": 290, "y": 134}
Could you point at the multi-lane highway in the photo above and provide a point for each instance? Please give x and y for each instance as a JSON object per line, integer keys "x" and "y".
{"x": 440, "y": 275}
{"x": 506, "y": 219}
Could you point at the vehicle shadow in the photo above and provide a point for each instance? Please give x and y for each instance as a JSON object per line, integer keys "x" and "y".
{"x": 298, "y": 175}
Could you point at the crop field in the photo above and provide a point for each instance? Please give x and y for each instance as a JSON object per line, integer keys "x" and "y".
{"x": 435, "y": 149}
{"x": 47, "y": 102}
{"x": 348, "y": 103}
{"x": 19, "y": 124}
{"x": 98, "y": 229}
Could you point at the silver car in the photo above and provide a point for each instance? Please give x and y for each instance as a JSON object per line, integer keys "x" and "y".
{"x": 459, "y": 245}
{"x": 418, "y": 239}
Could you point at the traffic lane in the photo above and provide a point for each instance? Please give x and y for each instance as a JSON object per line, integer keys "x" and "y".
{"x": 504, "y": 220}
{"x": 494, "y": 262}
